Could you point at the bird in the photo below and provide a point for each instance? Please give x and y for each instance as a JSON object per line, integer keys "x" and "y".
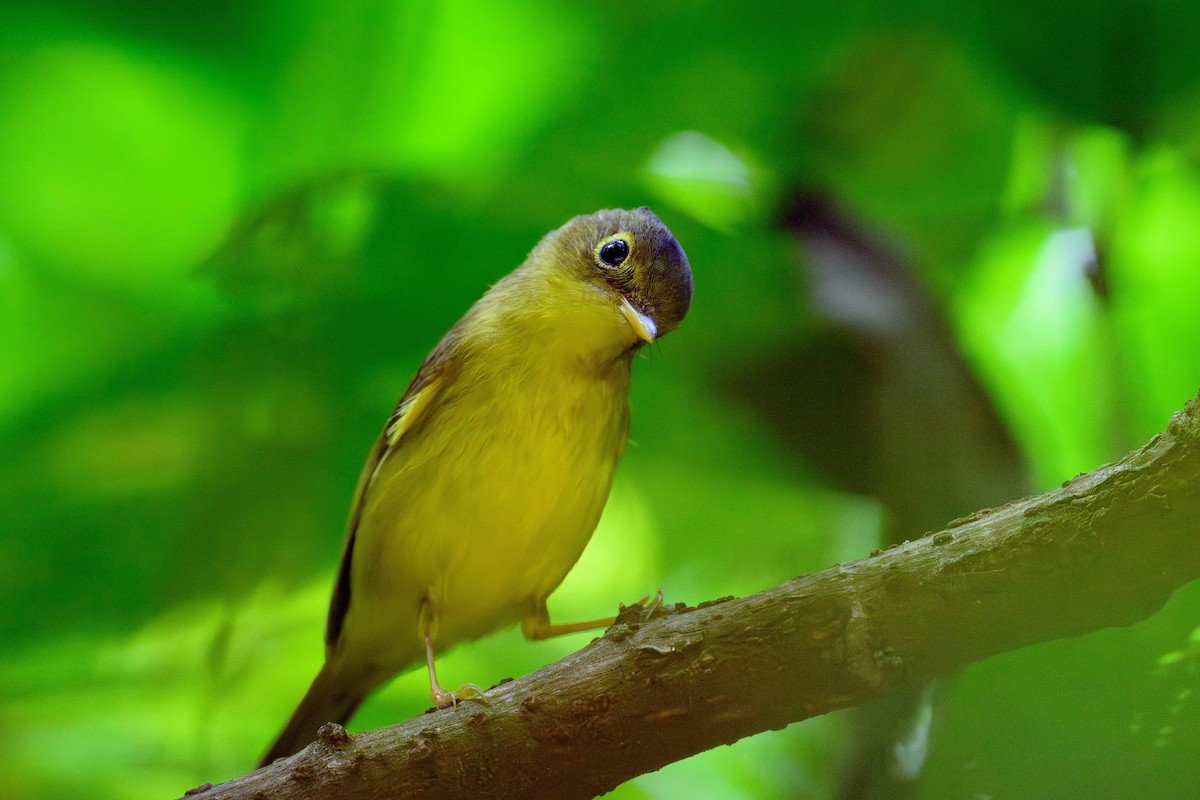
{"x": 490, "y": 475}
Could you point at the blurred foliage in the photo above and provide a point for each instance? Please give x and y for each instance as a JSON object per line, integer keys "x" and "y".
{"x": 230, "y": 231}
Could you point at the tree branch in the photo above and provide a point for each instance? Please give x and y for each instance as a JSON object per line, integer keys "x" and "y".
{"x": 1106, "y": 549}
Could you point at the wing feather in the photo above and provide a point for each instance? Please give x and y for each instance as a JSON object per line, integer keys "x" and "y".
{"x": 413, "y": 406}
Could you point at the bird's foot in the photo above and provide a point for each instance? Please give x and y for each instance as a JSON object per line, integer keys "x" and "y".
{"x": 654, "y": 605}
{"x": 445, "y": 699}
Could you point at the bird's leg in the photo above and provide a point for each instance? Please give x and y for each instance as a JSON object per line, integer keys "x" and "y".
{"x": 536, "y": 623}
{"x": 441, "y": 697}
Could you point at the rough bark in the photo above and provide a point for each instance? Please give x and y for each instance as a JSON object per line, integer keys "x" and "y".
{"x": 1106, "y": 549}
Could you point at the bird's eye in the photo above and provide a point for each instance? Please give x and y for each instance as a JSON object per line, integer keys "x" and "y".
{"x": 614, "y": 252}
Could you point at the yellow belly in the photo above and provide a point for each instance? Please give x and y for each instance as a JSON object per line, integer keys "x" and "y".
{"x": 486, "y": 508}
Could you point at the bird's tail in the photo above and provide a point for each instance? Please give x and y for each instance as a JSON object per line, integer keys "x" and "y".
{"x": 325, "y": 701}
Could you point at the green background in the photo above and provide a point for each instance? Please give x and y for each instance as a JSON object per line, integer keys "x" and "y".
{"x": 230, "y": 231}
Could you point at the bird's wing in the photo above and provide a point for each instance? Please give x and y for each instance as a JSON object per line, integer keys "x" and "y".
{"x": 417, "y": 400}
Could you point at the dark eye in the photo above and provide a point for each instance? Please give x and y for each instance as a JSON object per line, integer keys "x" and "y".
{"x": 614, "y": 252}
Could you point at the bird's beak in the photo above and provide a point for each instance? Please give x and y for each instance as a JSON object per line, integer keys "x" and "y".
{"x": 643, "y": 326}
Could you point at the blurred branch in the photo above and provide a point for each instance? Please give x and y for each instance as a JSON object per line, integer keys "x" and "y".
{"x": 1106, "y": 549}
{"x": 880, "y": 397}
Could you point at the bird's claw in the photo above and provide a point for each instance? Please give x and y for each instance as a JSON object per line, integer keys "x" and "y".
{"x": 468, "y": 691}
{"x": 655, "y": 604}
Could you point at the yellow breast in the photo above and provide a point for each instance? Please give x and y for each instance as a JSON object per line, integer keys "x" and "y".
{"x": 488, "y": 502}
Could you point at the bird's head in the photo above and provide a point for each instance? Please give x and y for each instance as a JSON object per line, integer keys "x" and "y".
{"x": 633, "y": 260}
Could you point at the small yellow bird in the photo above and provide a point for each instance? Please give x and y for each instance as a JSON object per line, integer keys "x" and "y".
{"x": 490, "y": 476}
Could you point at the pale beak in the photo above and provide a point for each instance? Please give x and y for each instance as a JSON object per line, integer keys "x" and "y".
{"x": 641, "y": 323}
